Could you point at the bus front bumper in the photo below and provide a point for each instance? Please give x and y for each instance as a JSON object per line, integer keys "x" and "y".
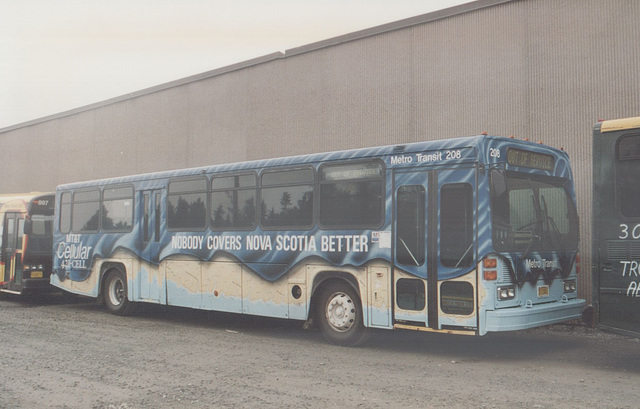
{"x": 518, "y": 318}
{"x": 36, "y": 284}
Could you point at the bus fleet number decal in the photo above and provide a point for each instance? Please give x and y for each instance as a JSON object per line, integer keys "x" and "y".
{"x": 626, "y": 234}
{"x": 454, "y": 154}
{"x": 631, "y": 268}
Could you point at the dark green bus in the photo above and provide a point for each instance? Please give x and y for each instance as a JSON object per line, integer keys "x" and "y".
{"x": 616, "y": 223}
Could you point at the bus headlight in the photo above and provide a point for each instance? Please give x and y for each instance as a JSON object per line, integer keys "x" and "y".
{"x": 506, "y": 293}
{"x": 570, "y": 286}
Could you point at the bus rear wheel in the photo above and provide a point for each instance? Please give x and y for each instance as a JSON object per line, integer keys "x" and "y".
{"x": 115, "y": 295}
{"x": 339, "y": 315}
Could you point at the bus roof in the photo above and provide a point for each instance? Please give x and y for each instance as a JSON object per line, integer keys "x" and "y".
{"x": 21, "y": 202}
{"x": 478, "y": 143}
{"x": 619, "y": 124}
{"x": 4, "y": 198}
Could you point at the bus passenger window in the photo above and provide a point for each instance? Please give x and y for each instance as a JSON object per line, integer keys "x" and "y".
{"x": 85, "y": 217}
{"x": 117, "y": 209}
{"x": 287, "y": 199}
{"x": 351, "y": 195}
{"x": 157, "y": 219}
{"x": 233, "y": 202}
{"x": 456, "y": 225}
{"x": 65, "y": 212}
{"x": 187, "y": 204}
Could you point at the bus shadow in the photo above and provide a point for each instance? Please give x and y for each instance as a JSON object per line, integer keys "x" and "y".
{"x": 564, "y": 343}
{"x": 571, "y": 343}
{"x": 39, "y": 299}
{"x": 256, "y": 325}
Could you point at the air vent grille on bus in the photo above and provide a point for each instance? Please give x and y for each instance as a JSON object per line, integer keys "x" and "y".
{"x": 635, "y": 250}
{"x": 505, "y": 276}
{"x": 617, "y": 250}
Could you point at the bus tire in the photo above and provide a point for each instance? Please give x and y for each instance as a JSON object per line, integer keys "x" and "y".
{"x": 339, "y": 314}
{"x": 115, "y": 294}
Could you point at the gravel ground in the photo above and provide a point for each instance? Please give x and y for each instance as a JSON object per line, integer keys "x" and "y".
{"x": 61, "y": 354}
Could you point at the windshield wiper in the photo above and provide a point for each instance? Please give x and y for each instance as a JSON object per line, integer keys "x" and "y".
{"x": 537, "y": 223}
{"x": 553, "y": 226}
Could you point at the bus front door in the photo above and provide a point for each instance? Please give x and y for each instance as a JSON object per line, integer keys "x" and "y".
{"x": 435, "y": 249}
{"x": 12, "y": 239}
{"x": 412, "y": 278}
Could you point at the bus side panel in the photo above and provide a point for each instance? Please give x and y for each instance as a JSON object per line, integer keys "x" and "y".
{"x": 88, "y": 287}
{"x": 260, "y": 297}
{"x": 298, "y": 294}
{"x": 184, "y": 278}
{"x": 222, "y": 286}
{"x": 149, "y": 283}
{"x": 379, "y": 296}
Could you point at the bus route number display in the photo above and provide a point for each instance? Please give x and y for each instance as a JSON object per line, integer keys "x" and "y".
{"x": 529, "y": 159}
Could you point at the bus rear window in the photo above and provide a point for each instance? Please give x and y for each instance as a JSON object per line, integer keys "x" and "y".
{"x": 627, "y": 170}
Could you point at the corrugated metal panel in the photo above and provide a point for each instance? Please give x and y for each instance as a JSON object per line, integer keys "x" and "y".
{"x": 542, "y": 69}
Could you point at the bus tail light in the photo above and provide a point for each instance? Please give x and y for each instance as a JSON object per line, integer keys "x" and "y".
{"x": 490, "y": 275}
{"x": 577, "y": 263}
{"x": 490, "y": 263}
{"x": 490, "y": 272}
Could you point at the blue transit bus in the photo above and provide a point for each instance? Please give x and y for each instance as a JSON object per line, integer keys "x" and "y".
{"x": 616, "y": 223}
{"x": 26, "y": 237}
{"x": 463, "y": 236}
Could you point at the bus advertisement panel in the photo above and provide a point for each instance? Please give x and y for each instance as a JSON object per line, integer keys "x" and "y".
{"x": 465, "y": 236}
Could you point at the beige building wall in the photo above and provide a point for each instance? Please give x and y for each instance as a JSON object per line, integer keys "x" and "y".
{"x": 542, "y": 69}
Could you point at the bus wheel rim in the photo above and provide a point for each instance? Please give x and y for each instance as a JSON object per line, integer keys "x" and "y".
{"x": 116, "y": 291}
{"x": 341, "y": 312}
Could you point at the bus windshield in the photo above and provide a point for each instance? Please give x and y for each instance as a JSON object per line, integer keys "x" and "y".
{"x": 532, "y": 212}
{"x": 40, "y": 235}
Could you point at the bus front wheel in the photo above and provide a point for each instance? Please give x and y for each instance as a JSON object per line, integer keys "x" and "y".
{"x": 115, "y": 296}
{"x": 340, "y": 314}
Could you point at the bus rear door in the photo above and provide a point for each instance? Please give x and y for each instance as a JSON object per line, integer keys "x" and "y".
{"x": 151, "y": 278}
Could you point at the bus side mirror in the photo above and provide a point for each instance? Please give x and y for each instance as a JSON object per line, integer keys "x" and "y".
{"x": 28, "y": 225}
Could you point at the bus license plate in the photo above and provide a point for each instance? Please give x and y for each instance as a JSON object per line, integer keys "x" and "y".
{"x": 36, "y": 274}
{"x": 543, "y": 291}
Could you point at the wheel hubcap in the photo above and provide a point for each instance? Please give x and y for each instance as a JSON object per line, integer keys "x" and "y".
{"x": 341, "y": 312}
{"x": 116, "y": 292}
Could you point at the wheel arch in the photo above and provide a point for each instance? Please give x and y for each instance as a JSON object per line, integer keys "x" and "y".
{"x": 324, "y": 278}
{"x": 105, "y": 268}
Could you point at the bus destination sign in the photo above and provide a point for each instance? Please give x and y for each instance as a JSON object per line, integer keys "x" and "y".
{"x": 529, "y": 159}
